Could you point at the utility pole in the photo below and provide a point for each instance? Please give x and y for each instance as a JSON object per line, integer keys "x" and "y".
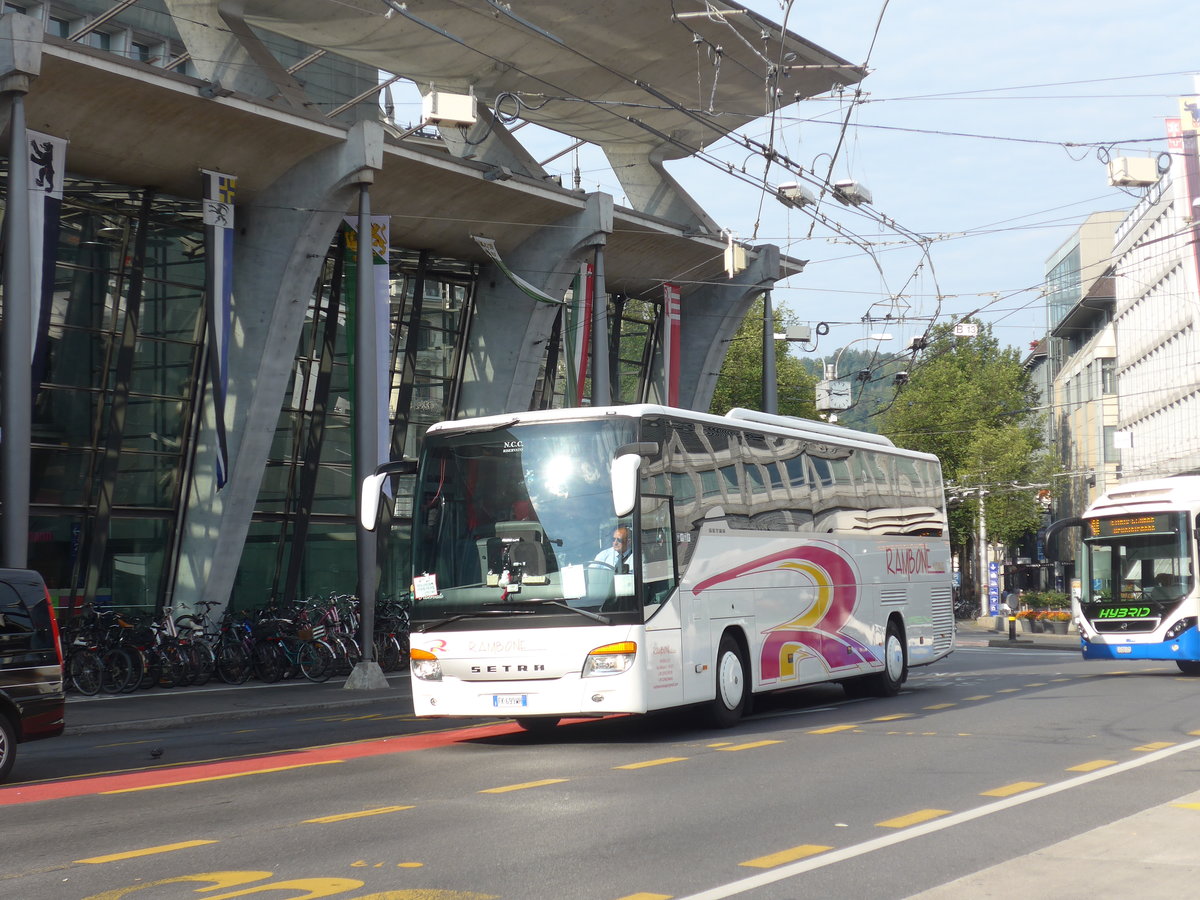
{"x": 983, "y": 555}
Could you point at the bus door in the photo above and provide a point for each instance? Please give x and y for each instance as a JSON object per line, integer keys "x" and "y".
{"x": 660, "y": 599}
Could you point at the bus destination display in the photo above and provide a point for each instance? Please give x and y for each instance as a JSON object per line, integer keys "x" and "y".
{"x": 1120, "y": 526}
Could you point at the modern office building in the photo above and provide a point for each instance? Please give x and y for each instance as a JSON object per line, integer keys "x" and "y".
{"x": 483, "y": 262}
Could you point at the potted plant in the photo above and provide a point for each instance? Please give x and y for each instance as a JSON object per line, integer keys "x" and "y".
{"x": 1026, "y": 618}
{"x": 1057, "y": 620}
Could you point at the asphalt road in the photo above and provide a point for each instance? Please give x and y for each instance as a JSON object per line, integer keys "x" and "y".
{"x": 989, "y": 755}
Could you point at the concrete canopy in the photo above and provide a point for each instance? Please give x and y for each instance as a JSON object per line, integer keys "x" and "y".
{"x": 610, "y": 73}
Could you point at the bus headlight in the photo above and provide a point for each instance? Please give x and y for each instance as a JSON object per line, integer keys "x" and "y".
{"x": 611, "y": 659}
{"x": 1180, "y": 627}
{"x": 425, "y": 665}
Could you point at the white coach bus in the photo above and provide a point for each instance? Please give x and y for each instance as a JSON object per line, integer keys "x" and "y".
{"x": 593, "y": 561}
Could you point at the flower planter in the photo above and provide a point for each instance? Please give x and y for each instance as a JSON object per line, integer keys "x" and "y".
{"x": 1059, "y": 627}
{"x": 1035, "y": 626}
{"x": 1026, "y": 626}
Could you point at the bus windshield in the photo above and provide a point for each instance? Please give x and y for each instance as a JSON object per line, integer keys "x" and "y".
{"x": 1143, "y": 558}
{"x": 516, "y": 524}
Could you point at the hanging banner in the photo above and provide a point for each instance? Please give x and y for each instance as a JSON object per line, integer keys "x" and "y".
{"x": 489, "y": 247}
{"x": 381, "y": 236}
{"x": 671, "y": 343}
{"x": 219, "y": 192}
{"x": 47, "y": 171}
{"x": 577, "y": 335}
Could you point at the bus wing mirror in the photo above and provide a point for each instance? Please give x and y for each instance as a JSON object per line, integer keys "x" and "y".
{"x": 372, "y": 490}
{"x": 372, "y": 487}
{"x": 1051, "y": 531}
{"x": 625, "y": 482}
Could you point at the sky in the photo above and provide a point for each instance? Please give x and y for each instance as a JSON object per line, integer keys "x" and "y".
{"x": 985, "y": 128}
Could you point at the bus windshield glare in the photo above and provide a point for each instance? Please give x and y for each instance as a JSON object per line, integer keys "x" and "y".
{"x": 1134, "y": 560}
{"x": 517, "y": 524}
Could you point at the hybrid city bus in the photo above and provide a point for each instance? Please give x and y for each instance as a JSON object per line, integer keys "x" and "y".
{"x": 585, "y": 562}
{"x": 1136, "y": 570}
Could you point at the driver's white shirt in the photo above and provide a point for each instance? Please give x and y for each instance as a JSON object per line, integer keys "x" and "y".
{"x": 612, "y": 558}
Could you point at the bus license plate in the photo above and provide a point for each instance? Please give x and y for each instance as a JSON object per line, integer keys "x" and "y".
{"x": 1124, "y": 649}
{"x": 507, "y": 701}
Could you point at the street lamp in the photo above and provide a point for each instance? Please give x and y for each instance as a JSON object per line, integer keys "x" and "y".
{"x": 834, "y": 395}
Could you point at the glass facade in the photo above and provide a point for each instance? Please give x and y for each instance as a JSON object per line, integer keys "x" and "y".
{"x": 117, "y": 388}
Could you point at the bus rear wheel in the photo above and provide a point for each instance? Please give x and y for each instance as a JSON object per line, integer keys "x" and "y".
{"x": 729, "y": 704}
{"x": 1188, "y": 666}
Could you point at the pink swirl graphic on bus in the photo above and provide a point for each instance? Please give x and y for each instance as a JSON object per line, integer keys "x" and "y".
{"x": 816, "y": 632}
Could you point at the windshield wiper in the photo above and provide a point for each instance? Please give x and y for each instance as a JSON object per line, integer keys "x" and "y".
{"x": 478, "y": 614}
{"x": 604, "y": 620}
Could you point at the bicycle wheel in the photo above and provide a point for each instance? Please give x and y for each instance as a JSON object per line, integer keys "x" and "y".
{"x": 268, "y": 662}
{"x": 316, "y": 660}
{"x": 152, "y": 667}
{"x": 233, "y": 663}
{"x": 387, "y": 652}
{"x": 119, "y": 670}
{"x": 86, "y": 672}
{"x": 203, "y": 663}
{"x": 174, "y": 667}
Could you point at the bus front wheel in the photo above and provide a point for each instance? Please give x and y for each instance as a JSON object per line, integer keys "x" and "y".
{"x": 886, "y": 683}
{"x": 732, "y": 690}
{"x": 1188, "y": 666}
{"x": 538, "y": 724}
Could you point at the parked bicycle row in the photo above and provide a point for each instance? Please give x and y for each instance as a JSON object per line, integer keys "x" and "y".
{"x": 110, "y": 651}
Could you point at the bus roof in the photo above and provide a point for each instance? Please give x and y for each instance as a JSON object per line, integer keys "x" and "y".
{"x": 1147, "y": 496}
{"x": 787, "y": 426}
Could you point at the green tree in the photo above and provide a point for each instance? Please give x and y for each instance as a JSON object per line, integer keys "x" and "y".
{"x": 970, "y": 402}
{"x": 740, "y": 381}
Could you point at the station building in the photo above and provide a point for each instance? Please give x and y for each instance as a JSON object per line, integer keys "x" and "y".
{"x": 484, "y": 262}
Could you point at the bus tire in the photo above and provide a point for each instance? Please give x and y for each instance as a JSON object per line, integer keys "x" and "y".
{"x": 1188, "y": 666}
{"x": 538, "y": 724}
{"x": 888, "y": 682}
{"x": 733, "y": 689}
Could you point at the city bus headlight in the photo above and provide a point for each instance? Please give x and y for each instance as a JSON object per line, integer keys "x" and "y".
{"x": 611, "y": 659}
{"x": 1180, "y": 627}
{"x": 425, "y": 665}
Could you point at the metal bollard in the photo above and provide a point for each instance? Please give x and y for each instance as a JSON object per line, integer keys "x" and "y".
{"x": 1012, "y": 628}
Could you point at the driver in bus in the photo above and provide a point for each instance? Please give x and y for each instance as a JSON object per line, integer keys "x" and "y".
{"x": 618, "y": 554}
{"x": 1166, "y": 587}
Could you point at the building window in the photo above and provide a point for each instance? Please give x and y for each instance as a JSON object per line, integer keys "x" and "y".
{"x": 1110, "y": 444}
{"x": 140, "y": 52}
{"x": 1108, "y": 375}
{"x": 58, "y": 27}
{"x": 14, "y": 8}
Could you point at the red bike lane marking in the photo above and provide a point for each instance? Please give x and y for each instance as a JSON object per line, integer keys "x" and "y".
{"x": 234, "y": 768}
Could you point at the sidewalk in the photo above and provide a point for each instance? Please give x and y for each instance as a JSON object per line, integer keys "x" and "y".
{"x": 994, "y": 631}
{"x": 174, "y": 707}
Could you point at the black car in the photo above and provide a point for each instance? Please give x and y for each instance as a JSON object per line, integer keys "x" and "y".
{"x": 31, "y": 682}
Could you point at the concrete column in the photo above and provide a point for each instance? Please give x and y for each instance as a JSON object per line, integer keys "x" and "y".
{"x": 507, "y": 339}
{"x": 20, "y": 63}
{"x": 709, "y": 318}
{"x": 283, "y": 237}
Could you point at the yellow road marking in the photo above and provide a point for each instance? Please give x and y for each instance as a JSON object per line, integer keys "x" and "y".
{"x": 1036, "y": 684}
{"x": 720, "y": 744}
{"x": 833, "y": 729}
{"x": 921, "y": 815}
{"x": 940, "y": 706}
{"x": 653, "y": 762}
{"x": 342, "y": 817}
{"x": 1007, "y": 690}
{"x": 1118, "y": 672}
{"x": 771, "y": 860}
{"x": 1015, "y": 788}
{"x": 1093, "y": 765}
{"x": 1157, "y": 745}
{"x": 750, "y": 746}
{"x": 645, "y": 896}
{"x": 148, "y": 851}
{"x": 167, "y": 784}
{"x": 892, "y": 718}
{"x": 1194, "y": 732}
{"x": 1059, "y": 679}
{"x": 977, "y": 697}
{"x": 521, "y": 787}
{"x": 1186, "y": 805}
{"x": 120, "y": 744}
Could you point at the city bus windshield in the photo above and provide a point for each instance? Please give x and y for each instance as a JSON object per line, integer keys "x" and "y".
{"x": 1143, "y": 558}
{"x": 516, "y": 525}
